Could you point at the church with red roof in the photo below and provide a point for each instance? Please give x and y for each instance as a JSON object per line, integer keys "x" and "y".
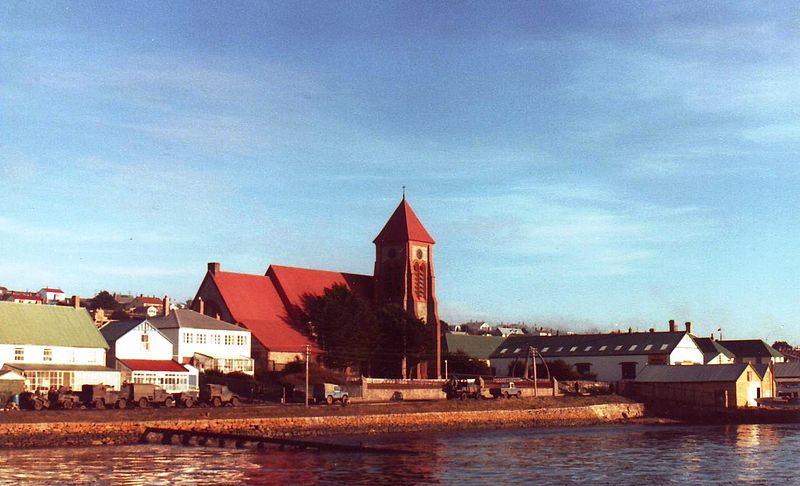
{"x": 270, "y": 306}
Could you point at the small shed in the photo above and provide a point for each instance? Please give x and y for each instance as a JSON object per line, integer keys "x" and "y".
{"x": 11, "y": 384}
{"x": 722, "y": 385}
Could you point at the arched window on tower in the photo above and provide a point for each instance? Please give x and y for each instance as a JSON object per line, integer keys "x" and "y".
{"x": 420, "y": 280}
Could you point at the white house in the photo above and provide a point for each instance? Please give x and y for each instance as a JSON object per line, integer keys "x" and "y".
{"x": 53, "y": 346}
{"x": 143, "y": 354}
{"x": 611, "y": 357}
{"x": 49, "y": 295}
{"x": 205, "y": 342}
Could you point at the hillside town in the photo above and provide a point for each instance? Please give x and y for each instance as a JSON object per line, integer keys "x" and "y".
{"x": 250, "y": 328}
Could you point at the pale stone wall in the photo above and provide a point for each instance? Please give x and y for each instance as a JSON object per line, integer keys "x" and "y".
{"x": 94, "y": 433}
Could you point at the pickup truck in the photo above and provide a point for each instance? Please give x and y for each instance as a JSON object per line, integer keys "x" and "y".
{"x": 329, "y": 393}
{"x": 509, "y": 390}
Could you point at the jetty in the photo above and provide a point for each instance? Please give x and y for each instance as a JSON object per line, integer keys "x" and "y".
{"x": 205, "y": 438}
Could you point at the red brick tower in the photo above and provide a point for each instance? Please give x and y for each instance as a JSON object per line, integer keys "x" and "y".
{"x": 404, "y": 270}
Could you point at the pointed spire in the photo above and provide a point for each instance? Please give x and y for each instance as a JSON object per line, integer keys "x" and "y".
{"x": 403, "y": 225}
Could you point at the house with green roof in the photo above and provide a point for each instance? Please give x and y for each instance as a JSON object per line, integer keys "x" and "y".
{"x": 53, "y": 346}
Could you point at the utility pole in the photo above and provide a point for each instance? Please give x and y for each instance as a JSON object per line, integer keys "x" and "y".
{"x": 308, "y": 356}
{"x": 535, "y": 376}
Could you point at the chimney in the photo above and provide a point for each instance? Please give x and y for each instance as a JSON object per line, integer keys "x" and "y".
{"x": 201, "y": 305}
{"x": 689, "y": 327}
{"x": 76, "y": 301}
{"x": 672, "y": 327}
{"x": 166, "y": 305}
{"x": 213, "y": 268}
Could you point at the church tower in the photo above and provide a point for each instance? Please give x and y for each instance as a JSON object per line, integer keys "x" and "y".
{"x": 404, "y": 270}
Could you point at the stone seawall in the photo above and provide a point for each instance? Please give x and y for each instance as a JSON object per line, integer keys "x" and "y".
{"x": 16, "y": 435}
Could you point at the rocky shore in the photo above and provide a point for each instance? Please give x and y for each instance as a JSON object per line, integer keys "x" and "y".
{"x": 89, "y": 427}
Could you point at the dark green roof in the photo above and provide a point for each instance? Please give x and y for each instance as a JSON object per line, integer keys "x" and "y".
{"x": 478, "y": 347}
{"x": 48, "y": 325}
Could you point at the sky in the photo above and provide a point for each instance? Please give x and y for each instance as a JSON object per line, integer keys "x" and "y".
{"x": 583, "y": 165}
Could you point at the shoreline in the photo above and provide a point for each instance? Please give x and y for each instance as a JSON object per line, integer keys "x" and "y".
{"x": 363, "y": 419}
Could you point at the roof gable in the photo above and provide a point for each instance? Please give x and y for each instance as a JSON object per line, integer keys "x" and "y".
{"x": 185, "y": 318}
{"x": 709, "y": 346}
{"x": 403, "y": 225}
{"x": 115, "y": 330}
{"x": 48, "y": 325}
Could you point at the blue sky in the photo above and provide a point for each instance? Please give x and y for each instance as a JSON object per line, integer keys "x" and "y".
{"x": 585, "y": 165}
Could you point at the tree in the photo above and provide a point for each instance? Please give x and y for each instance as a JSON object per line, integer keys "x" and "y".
{"x": 104, "y": 300}
{"x": 119, "y": 315}
{"x": 344, "y": 326}
{"x": 782, "y": 346}
{"x": 404, "y": 337}
{"x": 459, "y": 363}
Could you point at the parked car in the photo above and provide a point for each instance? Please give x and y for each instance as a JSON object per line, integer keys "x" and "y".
{"x": 330, "y": 394}
{"x": 508, "y": 391}
{"x": 219, "y": 395}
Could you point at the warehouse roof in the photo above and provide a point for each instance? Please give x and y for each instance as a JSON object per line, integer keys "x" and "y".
{"x": 692, "y": 373}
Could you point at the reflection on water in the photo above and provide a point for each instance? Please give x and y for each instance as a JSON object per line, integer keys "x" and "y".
{"x": 619, "y": 455}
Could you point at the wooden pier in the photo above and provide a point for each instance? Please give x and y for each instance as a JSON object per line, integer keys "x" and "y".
{"x": 219, "y": 439}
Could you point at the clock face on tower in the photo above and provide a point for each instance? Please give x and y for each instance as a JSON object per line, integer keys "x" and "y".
{"x": 419, "y": 254}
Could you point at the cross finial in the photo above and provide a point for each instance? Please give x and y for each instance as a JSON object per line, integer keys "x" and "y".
{"x": 404, "y": 193}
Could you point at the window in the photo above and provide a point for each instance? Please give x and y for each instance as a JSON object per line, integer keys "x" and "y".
{"x": 19, "y": 354}
{"x": 502, "y": 351}
{"x": 602, "y": 348}
{"x": 559, "y": 349}
{"x": 188, "y": 338}
{"x": 583, "y": 368}
{"x": 201, "y": 338}
{"x": 241, "y": 340}
{"x": 573, "y": 348}
{"x": 617, "y": 347}
{"x": 587, "y": 348}
{"x": 664, "y": 346}
{"x": 648, "y": 347}
{"x": 217, "y": 339}
{"x": 628, "y": 371}
{"x": 47, "y": 354}
{"x": 228, "y": 340}
{"x": 632, "y": 348}
{"x": 146, "y": 342}
{"x": 544, "y": 349}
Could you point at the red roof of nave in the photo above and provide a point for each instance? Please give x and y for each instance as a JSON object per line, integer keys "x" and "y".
{"x": 253, "y": 300}
{"x": 403, "y": 225}
{"x": 297, "y": 282}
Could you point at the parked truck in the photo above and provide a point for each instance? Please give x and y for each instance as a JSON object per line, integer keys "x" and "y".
{"x": 330, "y": 394}
{"x": 145, "y": 395}
{"x": 463, "y": 388}
{"x": 507, "y": 390}
{"x": 102, "y": 396}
